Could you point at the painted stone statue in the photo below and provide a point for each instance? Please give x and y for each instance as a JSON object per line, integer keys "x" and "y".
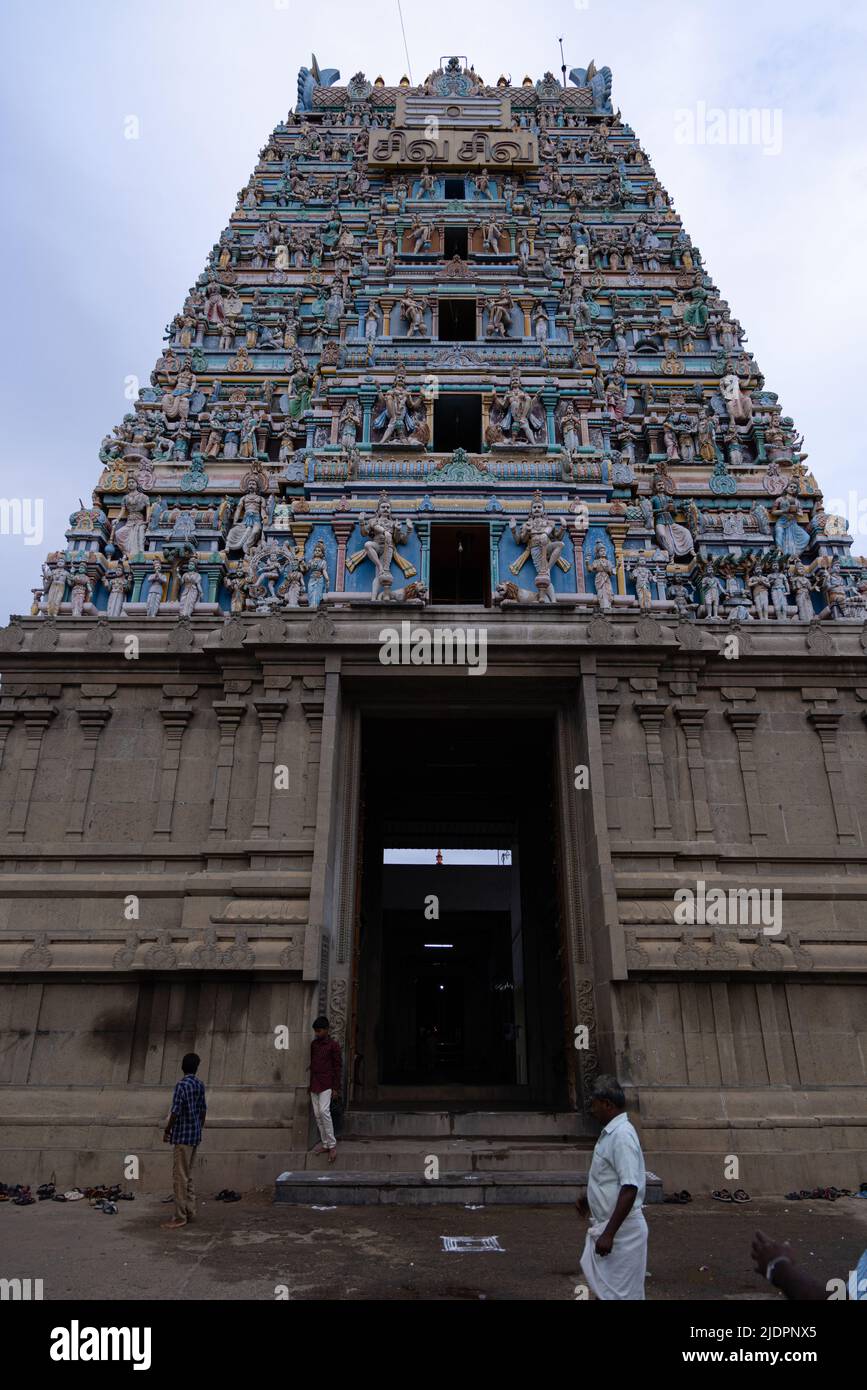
{"x": 542, "y": 538}
{"x": 710, "y": 588}
{"x": 349, "y": 423}
{"x": 190, "y": 591}
{"x": 118, "y": 582}
{"x": 55, "y": 579}
{"x": 156, "y": 590}
{"x": 603, "y": 576}
{"x": 413, "y": 311}
{"x": 383, "y": 534}
{"x": 518, "y": 418}
{"x": 737, "y": 402}
{"x": 131, "y": 523}
{"x": 176, "y": 401}
{"x": 397, "y": 417}
{"x": 802, "y": 589}
{"x": 500, "y": 314}
{"x": 790, "y": 537}
{"x": 79, "y": 593}
{"x": 642, "y": 577}
{"x": 247, "y": 523}
{"x": 671, "y": 535}
{"x": 317, "y": 575}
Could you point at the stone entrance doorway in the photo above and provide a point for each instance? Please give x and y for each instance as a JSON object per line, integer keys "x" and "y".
{"x": 461, "y": 988}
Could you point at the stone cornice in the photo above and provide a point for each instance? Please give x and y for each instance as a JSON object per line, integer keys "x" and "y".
{"x": 359, "y": 622}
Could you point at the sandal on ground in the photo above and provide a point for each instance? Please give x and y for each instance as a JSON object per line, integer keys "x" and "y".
{"x": 722, "y": 1195}
{"x": 739, "y": 1195}
{"x": 230, "y": 1196}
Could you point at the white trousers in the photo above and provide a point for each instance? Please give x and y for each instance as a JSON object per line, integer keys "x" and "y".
{"x": 620, "y": 1275}
{"x": 322, "y": 1115}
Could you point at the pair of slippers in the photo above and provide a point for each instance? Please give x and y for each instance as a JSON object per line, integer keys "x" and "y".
{"x": 678, "y": 1199}
{"x": 227, "y": 1195}
{"x": 818, "y": 1194}
{"x": 739, "y": 1195}
{"x": 109, "y": 1208}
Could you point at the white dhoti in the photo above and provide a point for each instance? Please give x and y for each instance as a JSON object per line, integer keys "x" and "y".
{"x": 619, "y": 1275}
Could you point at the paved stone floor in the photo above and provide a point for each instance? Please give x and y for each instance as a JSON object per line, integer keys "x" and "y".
{"x": 247, "y": 1249}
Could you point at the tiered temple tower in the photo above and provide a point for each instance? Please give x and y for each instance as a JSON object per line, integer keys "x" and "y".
{"x": 454, "y": 363}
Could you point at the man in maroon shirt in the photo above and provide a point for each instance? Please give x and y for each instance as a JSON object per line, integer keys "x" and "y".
{"x": 325, "y": 1082}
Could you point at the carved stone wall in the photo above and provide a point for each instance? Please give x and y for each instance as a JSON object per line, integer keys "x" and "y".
{"x": 168, "y": 885}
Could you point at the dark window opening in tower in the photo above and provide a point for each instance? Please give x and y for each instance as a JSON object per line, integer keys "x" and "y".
{"x": 460, "y": 564}
{"x": 457, "y": 422}
{"x": 456, "y": 243}
{"x": 457, "y": 320}
{"x": 455, "y": 188}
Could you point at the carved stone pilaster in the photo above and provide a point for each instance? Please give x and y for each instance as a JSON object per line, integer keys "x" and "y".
{"x": 8, "y": 715}
{"x": 313, "y": 704}
{"x": 270, "y": 712}
{"x": 608, "y": 710}
{"x": 349, "y": 800}
{"x": 652, "y": 715}
{"x": 585, "y": 1013}
{"x": 36, "y": 718}
{"x": 691, "y": 718}
{"x": 743, "y": 720}
{"x": 229, "y": 715}
{"x": 342, "y": 529}
{"x": 93, "y": 718}
{"x": 176, "y": 714}
{"x": 826, "y": 721}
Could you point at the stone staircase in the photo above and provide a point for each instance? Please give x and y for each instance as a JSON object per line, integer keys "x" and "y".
{"x": 476, "y": 1157}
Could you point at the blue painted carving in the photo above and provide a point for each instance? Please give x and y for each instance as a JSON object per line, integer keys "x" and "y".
{"x": 311, "y": 78}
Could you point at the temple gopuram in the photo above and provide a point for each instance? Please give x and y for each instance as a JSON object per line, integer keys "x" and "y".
{"x": 455, "y": 644}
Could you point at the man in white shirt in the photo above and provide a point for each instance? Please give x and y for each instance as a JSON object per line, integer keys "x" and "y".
{"x": 614, "y": 1261}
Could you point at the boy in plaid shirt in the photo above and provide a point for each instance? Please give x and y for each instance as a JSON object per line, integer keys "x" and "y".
{"x": 184, "y": 1132}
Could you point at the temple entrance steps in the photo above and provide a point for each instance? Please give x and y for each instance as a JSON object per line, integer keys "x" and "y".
{"x": 415, "y": 1157}
{"x": 449, "y": 1123}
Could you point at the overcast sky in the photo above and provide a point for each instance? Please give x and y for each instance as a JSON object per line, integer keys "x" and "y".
{"x": 103, "y": 235}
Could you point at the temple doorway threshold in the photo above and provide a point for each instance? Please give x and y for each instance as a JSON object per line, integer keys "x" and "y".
{"x": 459, "y": 985}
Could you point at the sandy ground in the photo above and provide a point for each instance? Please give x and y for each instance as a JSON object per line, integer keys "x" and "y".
{"x": 254, "y": 1249}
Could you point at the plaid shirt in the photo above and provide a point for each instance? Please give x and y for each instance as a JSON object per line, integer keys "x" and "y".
{"x": 189, "y": 1109}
